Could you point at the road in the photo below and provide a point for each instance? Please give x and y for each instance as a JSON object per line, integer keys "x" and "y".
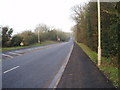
{"x": 33, "y": 67}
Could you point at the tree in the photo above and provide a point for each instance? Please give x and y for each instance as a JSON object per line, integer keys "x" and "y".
{"x": 16, "y": 40}
{"x": 28, "y": 37}
{"x": 86, "y": 27}
{"x": 117, "y": 7}
{"x": 41, "y": 31}
{"x": 6, "y": 35}
{"x": 52, "y": 34}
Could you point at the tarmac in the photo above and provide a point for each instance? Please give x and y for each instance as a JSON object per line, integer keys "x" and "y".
{"x": 81, "y": 72}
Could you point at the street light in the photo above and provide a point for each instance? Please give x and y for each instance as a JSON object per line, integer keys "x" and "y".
{"x": 38, "y": 35}
{"x": 99, "y": 35}
{"x": 57, "y": 35}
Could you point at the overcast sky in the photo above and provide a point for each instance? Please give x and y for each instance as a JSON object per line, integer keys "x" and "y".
{"x": 27, "y": 14}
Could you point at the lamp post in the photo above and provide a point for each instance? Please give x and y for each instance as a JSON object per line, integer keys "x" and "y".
{"x": 57, "y": 35}
{"x": 99, "y": 34}
{"x": 38, "y": 36}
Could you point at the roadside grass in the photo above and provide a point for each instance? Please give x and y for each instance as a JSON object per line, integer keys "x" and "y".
{"x": 21, "y": 47}
{"x": 110, "y": 71}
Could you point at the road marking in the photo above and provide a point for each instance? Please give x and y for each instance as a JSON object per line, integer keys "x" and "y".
{"x": 17, "y": 51}
{"x": 7, "y": 55}
{"x": 58, "y": 76}
{"x": 14, "y": 53}
{"x": 24, "y": 51}
{"x": 11, "y": 69}
{"x": 20, "y": 52}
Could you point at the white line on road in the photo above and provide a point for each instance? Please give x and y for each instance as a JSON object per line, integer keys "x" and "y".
{"x": 58, "y": 76}
{"x": 14, "y": 53}
{"x": 7, "y": 55}
{"x": 20, "y": 51}
{"x": 17, "y": 51}
{"x": 11, "y": 69}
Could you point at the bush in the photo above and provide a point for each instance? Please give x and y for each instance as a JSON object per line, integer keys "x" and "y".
{"x": 28, "y": 37}
{"x": 16, "y": 40}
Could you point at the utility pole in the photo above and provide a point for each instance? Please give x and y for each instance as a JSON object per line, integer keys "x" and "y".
{"x": 58, "y": 39}
{"x": 57, "y": 35}
{"x": 99, "y": 35}
{"x": 38, "y": 36}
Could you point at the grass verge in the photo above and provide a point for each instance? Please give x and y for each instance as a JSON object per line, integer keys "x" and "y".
{"x": 34, "y": 45}
{"x": 110, "y": 71}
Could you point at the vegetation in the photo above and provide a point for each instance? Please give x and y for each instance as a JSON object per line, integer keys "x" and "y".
{"x": 45, "y": 33}
{"x": 110, "y": 70}
{"x": 86, "y": 32}
{"x": 86, "y": 28}
{"x": 34, "y": 45}
{"x": 6, "y": 36}
{"x": 28, "y": 37}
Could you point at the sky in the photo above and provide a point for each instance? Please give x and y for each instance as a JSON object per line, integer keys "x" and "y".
{"x": 24, "y": 15}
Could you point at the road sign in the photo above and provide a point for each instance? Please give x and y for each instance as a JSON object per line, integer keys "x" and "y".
{"x": 21, "y": 43}
{"x": 58, "y": 39}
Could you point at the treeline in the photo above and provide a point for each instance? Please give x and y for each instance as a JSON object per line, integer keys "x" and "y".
{"x": 42, "y": 33}
{"x": 86, "y": 28}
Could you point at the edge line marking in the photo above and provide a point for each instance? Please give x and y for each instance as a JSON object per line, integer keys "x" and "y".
{"x": 58, "y": 76}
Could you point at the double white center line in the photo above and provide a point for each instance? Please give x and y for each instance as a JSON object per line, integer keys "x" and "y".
{"x": 11, "y": 69}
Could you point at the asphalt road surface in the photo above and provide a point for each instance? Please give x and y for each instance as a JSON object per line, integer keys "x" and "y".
{"x": 34, "y": 67}
{"x": 81, "y": 72}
